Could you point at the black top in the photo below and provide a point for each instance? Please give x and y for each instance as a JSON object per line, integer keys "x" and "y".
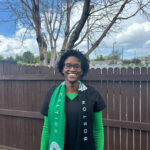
{"x": 72, "y": 112}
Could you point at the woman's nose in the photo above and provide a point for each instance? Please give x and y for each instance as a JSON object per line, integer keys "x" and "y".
{"x": 72, "y": 68}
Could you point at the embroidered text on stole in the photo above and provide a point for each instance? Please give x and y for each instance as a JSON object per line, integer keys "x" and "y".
{"x": 85, "y": 122}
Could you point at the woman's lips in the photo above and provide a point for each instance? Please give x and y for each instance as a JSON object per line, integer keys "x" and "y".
{"x": 72, "y": 75}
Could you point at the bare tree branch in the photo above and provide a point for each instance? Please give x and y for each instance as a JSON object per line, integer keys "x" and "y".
{"x": 135, "y": 13}
{"x": 107, "y": 29}
{"x": 67, "y": 26}
{"x": 76, "y": 33}
{"x": 27, "y": 5}
{"x": 85, "y": 34}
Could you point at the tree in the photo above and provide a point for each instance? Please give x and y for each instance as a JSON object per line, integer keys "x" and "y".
{"x": 28, "y": 57}
{"x": 136, "y": 61}
{"x": 48, "y": 56}
{"x": 98, "y": 19}
{"x": 1, "y": 58}
{"x": 19, "y": 58}
{"x": 9, "y": 58}
{"x": 99, "y": 58}
{"x": 37, "y": 59}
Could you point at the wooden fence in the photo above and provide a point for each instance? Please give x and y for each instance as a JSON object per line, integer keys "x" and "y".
{"x": 126, "y": 117}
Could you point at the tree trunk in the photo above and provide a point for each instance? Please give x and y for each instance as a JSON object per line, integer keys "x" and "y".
{"x": 42, "y": 49}
{"x": 75, "y": 35}
{"x": 53, "y": 57}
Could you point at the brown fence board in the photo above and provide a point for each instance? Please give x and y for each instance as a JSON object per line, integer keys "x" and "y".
{"x": 130, "y": 139}
{"x": 117, "y": 98}
{"x": 123, "y": 139}
{"x": 144, "y": 140}
{"x": 130, "y": 97}
{"x": 148, "y": 133}
{"x": 1, "y": 94}
{"x": 148, "y": 140}
{"x": 144, "y": 102}
{"x": 1, "y": 68}
{"x": 105, "y": 139}
{"x": 123, "y": 111}
{"x": 123, "y": 97}
{"x": 117, "y": 109}
{"x": 130, "y": 108}
{"x": 110, "y": 106}
{"x": 137, "y": 139}
{"x": 21, "y": 114}
{"x": 111, "y": 139}
{"x": 148, "y": 97}
{"x": 117, "y": 139}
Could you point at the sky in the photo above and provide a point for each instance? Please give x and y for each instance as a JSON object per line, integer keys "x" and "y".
{"x": 133, "y": 40}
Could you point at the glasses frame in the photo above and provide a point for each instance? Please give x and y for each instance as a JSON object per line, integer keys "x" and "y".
{"x": 75, "y": 66}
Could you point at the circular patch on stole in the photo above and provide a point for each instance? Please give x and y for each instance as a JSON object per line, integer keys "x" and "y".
{"x": 54, "y": 146}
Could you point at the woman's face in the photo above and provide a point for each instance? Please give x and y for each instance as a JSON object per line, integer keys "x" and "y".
{"x": 72, "y": 69}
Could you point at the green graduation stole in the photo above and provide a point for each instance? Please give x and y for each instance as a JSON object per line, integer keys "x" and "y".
{"x": 56, "y": 116}
{"x": 57, "y": 120}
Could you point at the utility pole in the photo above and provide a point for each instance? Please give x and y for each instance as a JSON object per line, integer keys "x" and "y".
{"x": 122, "y": 54}
{"x": 113, "y": 50}
{"x": 135, "y": 54}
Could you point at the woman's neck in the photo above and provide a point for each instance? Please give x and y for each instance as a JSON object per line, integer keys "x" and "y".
{"x": 72, "y": 87}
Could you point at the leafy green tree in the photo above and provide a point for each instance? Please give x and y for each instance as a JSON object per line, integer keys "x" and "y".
{"x": 136, "y": 61}
{"x": 28, "y": 57}
{"x": 127, "y": 62}
{"x": 10, "y": 58}
{"x": 48, "y": 56}
{"x": 99, "y": 58}
{"x": 147, "y": 64}
{"x": 19, "y": 58}
{"x": 1, "y": 58}
{"x": 37, "y": 59}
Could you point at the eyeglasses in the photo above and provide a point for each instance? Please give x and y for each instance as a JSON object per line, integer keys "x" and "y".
{"x": 69, "y": 66}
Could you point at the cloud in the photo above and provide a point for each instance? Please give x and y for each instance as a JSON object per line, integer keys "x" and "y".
{"x": 13, "y": 46}
{"x": 76, "y": 13}
{"x": 136, "y": 35}
{"x": 138, "y": 50}
{"x": 23, "y": 32}
{"x": 147, "y": 44}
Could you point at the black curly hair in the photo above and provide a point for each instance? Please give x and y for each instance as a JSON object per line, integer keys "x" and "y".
{"x": 76, "y": 53}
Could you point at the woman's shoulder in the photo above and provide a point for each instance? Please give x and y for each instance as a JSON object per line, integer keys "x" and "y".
{"x": 49, "y": 93}
{"x": 91, "y": 89}
{"x": 96, "y": 97}
{"x": 93, "y": 93}
{"x": 45, "y": 105}
{"x": 51, "y": 89}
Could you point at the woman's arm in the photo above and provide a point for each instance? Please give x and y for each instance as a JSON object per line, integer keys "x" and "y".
{"x": 45, "y": 135}
{"x": 98, "y": 131}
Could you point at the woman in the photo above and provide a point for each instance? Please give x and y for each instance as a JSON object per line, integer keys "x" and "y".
{"x": 72, "y": 110}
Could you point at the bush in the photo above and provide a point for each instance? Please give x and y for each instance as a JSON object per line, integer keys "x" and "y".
{"x": 136, "y": 61}
{"x": 99, "y": 58}
{"x": 127, "y": 62}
